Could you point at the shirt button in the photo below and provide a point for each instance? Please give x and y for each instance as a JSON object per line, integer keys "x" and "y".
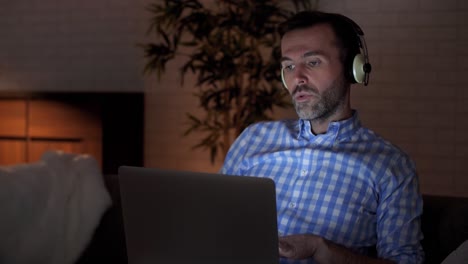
{"x": 303, "y": 172}
{"x": 292, "y": 205}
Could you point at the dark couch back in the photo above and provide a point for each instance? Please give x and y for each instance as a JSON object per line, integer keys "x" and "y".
{"x": 444, "y": 225}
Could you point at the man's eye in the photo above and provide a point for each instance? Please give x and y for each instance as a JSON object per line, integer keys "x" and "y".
{"x": 313, "y": 63}
{"x": 288, "y": 67}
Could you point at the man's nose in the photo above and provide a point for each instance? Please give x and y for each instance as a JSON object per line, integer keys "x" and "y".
{"x": 300, "y": 77}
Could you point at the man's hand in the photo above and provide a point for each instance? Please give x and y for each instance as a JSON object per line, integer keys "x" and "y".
{"x": 299, "y": 246}
{"x": 304, "y": 246}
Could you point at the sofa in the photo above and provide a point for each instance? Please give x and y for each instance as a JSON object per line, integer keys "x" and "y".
{"x": 444, "y": 224}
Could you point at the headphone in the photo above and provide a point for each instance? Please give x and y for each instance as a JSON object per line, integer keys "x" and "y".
{"x": 358, "y": 69}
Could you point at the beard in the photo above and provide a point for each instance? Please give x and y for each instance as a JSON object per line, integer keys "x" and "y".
{"x": 325, "y": 104}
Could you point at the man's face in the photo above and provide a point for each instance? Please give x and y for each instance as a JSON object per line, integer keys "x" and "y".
{"x": 313, "y": 72}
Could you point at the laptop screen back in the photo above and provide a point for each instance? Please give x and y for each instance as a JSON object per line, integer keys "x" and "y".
{"x": 187, "y": 217}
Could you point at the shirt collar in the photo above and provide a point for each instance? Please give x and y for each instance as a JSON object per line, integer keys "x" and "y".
{"x": 337, "y": 131}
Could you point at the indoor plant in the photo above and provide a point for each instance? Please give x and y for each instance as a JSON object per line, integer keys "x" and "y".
{"x": 233, "y": 52}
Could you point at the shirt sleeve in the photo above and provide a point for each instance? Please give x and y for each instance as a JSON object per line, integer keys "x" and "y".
{"x": 235, "y": 156}
{"x": 399, "y": 214}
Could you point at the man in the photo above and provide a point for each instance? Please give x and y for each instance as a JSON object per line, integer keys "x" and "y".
{"x": 344, "y": 194}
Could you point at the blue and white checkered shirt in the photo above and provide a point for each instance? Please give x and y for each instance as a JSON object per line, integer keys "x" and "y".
{"x": 348, "y": 185}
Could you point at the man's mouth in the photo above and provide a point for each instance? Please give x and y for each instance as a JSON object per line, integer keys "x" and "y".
{"x": 303, "y": 97}
{"x": 304, "y": 93}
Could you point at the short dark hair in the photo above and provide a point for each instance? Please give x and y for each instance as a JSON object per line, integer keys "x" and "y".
{"x": 346, "y": 30}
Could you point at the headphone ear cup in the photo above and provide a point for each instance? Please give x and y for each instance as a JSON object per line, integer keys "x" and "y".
{"x": 282, "y": 78}
{"x": 359, "y": 72}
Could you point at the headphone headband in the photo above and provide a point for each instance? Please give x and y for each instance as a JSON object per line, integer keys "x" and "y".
{"x": 360, "y": 66}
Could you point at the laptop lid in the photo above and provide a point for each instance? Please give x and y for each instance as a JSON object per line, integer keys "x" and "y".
{"x": 174, "y": 217}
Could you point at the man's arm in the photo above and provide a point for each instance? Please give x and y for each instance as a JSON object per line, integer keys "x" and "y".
{"x": 322, "y": 251}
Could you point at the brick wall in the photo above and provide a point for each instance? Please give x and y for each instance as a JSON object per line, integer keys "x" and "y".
{"x": 417, "y": 97}
{"x": 70, "y": 45}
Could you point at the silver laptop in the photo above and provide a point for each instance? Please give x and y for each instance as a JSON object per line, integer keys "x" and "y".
{"x": 174, "y": 217}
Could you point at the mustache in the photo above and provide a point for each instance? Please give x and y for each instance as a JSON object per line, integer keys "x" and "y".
{"x": 305, "y": 88}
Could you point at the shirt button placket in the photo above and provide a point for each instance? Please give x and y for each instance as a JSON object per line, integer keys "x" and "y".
{"x": 299, "y": 182}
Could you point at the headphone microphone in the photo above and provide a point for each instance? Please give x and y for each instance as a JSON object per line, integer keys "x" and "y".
{"x": 282, "y": 78}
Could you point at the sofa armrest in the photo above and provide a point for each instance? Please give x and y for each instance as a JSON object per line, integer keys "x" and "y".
{"x": 108, "y": 242}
